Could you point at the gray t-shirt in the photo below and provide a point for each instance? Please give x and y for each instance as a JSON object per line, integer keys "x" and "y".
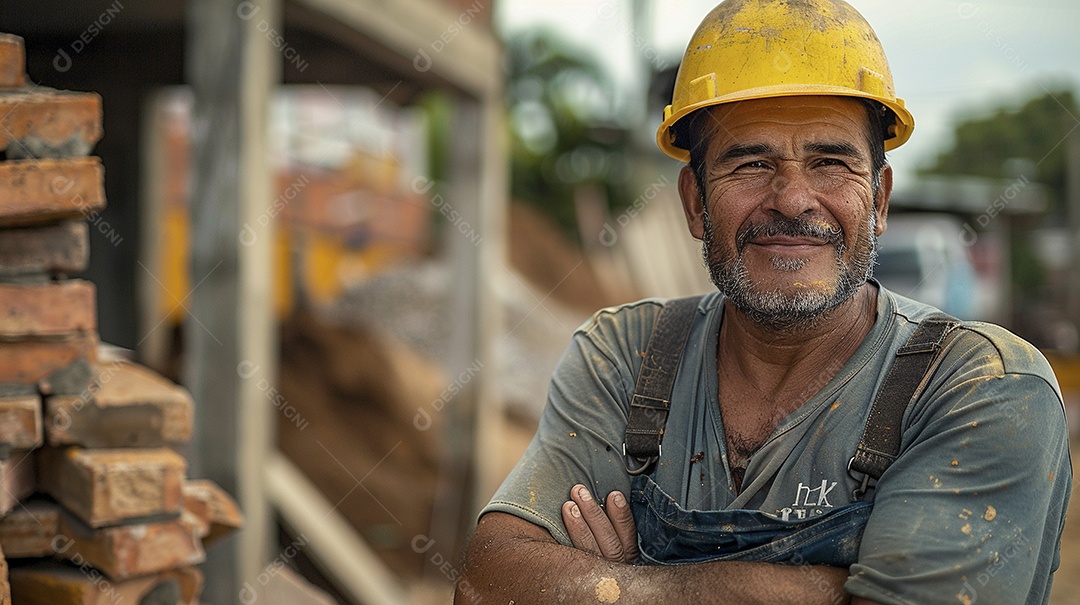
{"x": 972, "y": 509}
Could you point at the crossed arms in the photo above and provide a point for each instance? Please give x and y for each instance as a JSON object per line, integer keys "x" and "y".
{"x": 513, "y": 560}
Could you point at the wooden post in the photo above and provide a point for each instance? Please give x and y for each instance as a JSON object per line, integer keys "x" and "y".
{"x": 230, "y": 358}
{"x": 1072, "y": 201}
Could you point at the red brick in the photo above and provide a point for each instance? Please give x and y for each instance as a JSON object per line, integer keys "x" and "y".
{"x": 44, "y": 364}
{"x": 29, "y": 530}
{"x": 126, "y": 406}
{"x": 42, "y": 528}
{"x": 17, "y": 480}
{"x": 52, "y": 583}
{"x": 5, "y": 585}
{"x": 54, "y": 249}
{"x": 43, "y": 123}
{"x": 102, "y": 487}
{"x": 41, "y": 191}
{"x": 12, "y": 61}
{"x": 191, "y": 582}
{"x": 214, "y": 507}
{"x": 128, "y": 551}
{"x": 20, "y": 422}
{"x": 131, "y": 384}
{"x": 47, "y": 309}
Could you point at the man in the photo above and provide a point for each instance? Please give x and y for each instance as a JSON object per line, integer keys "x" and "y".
{"x": 761, "y": 490}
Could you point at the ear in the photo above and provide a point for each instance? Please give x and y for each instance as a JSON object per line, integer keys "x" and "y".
{"x": 881, "y": 202}
{"x": 691, "y": 202}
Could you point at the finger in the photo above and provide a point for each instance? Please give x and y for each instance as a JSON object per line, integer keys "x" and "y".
{"x": 579, "y": 531}
{"x": 622, "y": 519}
{"x": 606, "y": 539}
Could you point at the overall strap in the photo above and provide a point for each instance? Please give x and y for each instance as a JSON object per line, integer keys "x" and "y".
{"x": 880, "y": 443}
{"x": 652, "y": 392}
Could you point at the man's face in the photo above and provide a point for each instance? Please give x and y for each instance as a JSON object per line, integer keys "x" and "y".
{"x": 790, "y": 222}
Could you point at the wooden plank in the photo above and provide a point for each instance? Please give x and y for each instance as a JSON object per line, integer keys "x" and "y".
{"x": 433, "y": 37}
{"x": 233, "y": 70}
{"x": 333, "y": 543}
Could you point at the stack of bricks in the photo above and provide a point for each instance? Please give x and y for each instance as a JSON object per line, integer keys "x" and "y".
{"x": 94, "y": 506}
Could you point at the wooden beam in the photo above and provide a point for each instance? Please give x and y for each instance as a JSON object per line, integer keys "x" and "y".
{"x": 233, "y": 69}
{"x": 455, "y": 46}
{"x": 329, "y": 538}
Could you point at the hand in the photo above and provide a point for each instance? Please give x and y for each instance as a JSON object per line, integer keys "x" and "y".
{"x": 609, "y": 533}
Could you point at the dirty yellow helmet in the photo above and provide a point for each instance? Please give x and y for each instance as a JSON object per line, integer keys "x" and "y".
{"x": 755, "y": 49}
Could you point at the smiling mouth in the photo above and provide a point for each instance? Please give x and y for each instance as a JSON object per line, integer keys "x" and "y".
{"x": 782, "y": 242}
{"x": 782, "y": 235}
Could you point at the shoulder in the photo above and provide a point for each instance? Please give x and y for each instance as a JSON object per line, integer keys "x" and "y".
{"x": 997, "y": 351}
{"x": 633, "y": 322}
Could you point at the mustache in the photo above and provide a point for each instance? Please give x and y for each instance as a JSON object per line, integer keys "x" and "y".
{"x": 792, "y": 227}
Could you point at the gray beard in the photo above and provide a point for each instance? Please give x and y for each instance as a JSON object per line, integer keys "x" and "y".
{"x": 803, "y": 309}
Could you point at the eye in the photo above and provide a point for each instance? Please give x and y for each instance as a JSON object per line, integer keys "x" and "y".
{"x": 832, "y": 162}
{"x": 754, "y": 165}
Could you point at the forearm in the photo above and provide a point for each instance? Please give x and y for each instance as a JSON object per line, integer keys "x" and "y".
{"x": 525, "y": 566}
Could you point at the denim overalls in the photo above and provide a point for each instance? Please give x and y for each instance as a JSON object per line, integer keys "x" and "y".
{"x": 669, "y": 534}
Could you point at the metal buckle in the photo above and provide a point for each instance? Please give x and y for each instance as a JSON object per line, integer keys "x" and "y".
{"x": 864, "y": 481}
{"x": 646, "y": 464}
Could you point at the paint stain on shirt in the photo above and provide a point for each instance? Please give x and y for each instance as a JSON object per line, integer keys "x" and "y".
{"x": 990, "y": 513}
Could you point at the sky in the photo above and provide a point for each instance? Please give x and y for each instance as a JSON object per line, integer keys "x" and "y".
{"x": 949, "y": 59}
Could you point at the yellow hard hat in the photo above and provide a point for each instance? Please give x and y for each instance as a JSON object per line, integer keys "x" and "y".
{"x": 755, "y": 49}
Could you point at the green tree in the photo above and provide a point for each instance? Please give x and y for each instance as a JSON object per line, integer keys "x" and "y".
{"x": 1034, "y": 131}
{"x": 563, "y": 125}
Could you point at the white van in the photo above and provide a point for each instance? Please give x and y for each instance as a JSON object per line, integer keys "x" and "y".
{"x": 922, "y": 256}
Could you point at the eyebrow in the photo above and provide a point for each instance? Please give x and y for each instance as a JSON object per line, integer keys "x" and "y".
{"x": 840, "y": 149}
{"x": 742, "y": 151}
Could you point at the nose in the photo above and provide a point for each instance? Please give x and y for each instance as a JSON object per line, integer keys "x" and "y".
{"x": 791, "y": 192}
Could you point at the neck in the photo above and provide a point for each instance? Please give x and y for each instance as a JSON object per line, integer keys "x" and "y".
{"x": 769, "y": 355}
